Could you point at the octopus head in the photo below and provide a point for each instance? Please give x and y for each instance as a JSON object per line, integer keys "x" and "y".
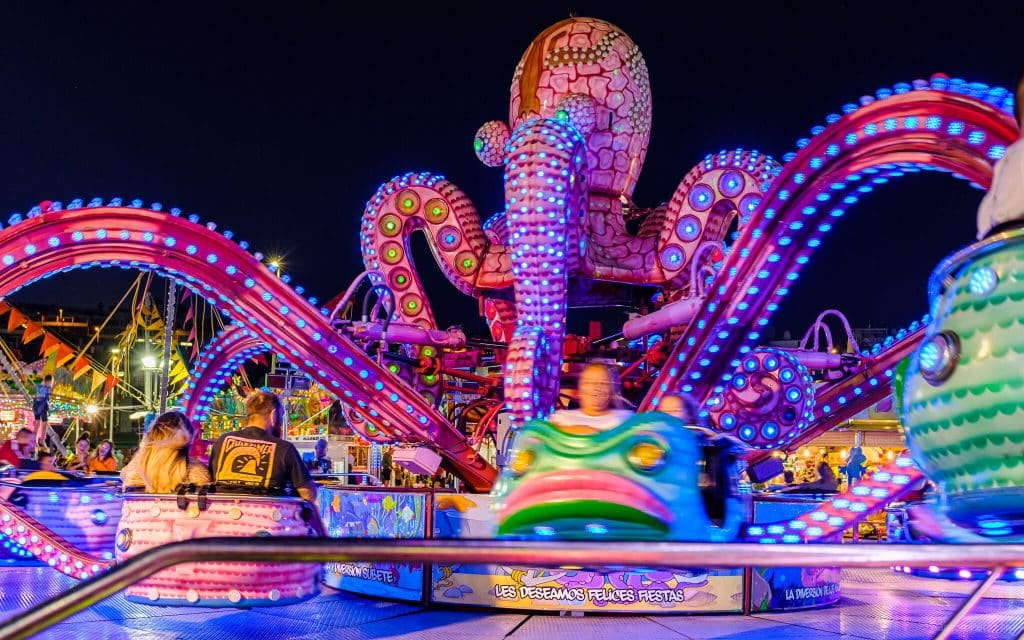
{"x": 590, "y": 74}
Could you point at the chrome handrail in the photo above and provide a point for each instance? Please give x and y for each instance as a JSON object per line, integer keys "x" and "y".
{"x": 511, "y": 552}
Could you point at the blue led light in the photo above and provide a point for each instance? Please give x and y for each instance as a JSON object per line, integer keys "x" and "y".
{"x": 983, "y": 281}
{"x": 931, "y": 356}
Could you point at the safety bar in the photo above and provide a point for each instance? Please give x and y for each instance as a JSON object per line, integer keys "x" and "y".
{"x": 511, "y": 552}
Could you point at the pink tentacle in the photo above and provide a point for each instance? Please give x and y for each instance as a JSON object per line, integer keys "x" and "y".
{"x": 47, "y": 546}
{"x": 420, "y": 201}
{"x": 544, "y": 199}
{"x": 932, "y": 127}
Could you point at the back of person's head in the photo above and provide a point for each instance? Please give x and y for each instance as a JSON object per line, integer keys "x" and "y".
{"x": 787, "y": 476}
{"x": 264, "y": 409}
{"x": 47, "y": 378}
{"x": 163, "y": 454}
{"x": 24, "y": 435}
{"x": 261, "y": 403}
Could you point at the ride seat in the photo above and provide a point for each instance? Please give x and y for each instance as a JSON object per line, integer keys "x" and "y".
{"x": 150, "y": 520}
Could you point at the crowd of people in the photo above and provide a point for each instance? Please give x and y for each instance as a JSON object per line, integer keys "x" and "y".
{"x": 253, "y": 459}
{"x": 22, "y": 451}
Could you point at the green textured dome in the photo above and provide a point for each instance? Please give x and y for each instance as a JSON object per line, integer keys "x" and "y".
{"x": 962, "y": 395}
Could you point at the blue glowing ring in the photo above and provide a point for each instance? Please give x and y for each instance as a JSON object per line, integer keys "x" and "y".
{"x": 688, "y": 228}
{"x": 748, "y": 203}
{"x": 731, "y": 183}
{"x": 701, "y": 197}
{"x": 672, "y": 257}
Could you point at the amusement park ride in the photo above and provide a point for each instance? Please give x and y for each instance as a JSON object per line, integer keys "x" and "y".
{"x": 715, "y": 262}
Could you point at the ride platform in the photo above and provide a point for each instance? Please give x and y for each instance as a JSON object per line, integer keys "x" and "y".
{"x": 877, "y": 604}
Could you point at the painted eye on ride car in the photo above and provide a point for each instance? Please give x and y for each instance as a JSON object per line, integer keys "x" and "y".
{"x": 522, "y": 461}
{"x": 647, "y": 456}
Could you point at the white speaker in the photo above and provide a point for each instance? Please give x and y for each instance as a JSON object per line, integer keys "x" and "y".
{"x": 418, "y": 460}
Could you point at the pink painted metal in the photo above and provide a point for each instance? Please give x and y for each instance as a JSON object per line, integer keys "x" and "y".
{"x": 243, "y": 288}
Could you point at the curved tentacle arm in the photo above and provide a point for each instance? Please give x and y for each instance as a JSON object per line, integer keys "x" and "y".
{"x": 724, "y": 186}
{"x": 885, "y": 139}
{"x": 216, "y": 363}
{"x": 845, "y": 510}
{"x": 243, "y": 289}
{"x": 867, "y": 385}
{"x": 545, "y": 196}
{"x": 36, "y": 538}
{"x": 421, "y": 201}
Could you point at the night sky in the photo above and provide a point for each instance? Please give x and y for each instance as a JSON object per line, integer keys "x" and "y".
{"x": 280, "y": 121}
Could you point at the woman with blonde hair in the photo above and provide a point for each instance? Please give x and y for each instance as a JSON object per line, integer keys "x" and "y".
{"x": 162, "y": 462}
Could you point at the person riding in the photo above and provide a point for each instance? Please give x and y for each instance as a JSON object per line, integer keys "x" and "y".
{"x": 599, "y": 399}
{"x": 255, "y": 457}
{"x": 162, "y": 463}
{"x": 80, "y": 460}
{"x": 104, "y": 459}
{"x": 18, "y": 449}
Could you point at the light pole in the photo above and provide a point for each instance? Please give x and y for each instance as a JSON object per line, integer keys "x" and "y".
{"x": 149, "y": 369}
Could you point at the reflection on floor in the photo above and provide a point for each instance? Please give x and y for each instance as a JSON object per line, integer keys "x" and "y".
{"x": 876, "y": 605}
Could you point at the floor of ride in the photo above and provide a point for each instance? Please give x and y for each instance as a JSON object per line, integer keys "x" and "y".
{"x": 876, "y": 605}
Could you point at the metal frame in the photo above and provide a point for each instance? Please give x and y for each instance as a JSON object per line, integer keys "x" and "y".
{"x": 997, "y": 557}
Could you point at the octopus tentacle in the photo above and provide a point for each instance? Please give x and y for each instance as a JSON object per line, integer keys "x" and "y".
{"x": 723, "y": 186}
{"x": 545, "y": 195}
{"x": 956, "y": 127}
{"x": 421, "y": 201}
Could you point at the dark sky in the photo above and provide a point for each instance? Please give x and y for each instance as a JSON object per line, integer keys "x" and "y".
{"x": 280, "y": 121}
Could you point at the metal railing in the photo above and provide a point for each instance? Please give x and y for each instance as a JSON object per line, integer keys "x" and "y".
{"x": 997, "y": 557}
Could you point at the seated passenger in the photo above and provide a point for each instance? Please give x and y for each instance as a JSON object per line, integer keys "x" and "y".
{"x": 162, "y": 463}
{"x": 686, "y": 409}
{"x": 46, "y": 461}
{"x": 79, "y": 461}
{"x": 1003, "y": 205}
{"x": 600, "y": 402}
{"x": 321, "y": 463}
{"x": 104, "y": 459}
{"x": 825, "y": 481}
{"x": 18, "y": 449}
{"x": 255, "y": 457}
